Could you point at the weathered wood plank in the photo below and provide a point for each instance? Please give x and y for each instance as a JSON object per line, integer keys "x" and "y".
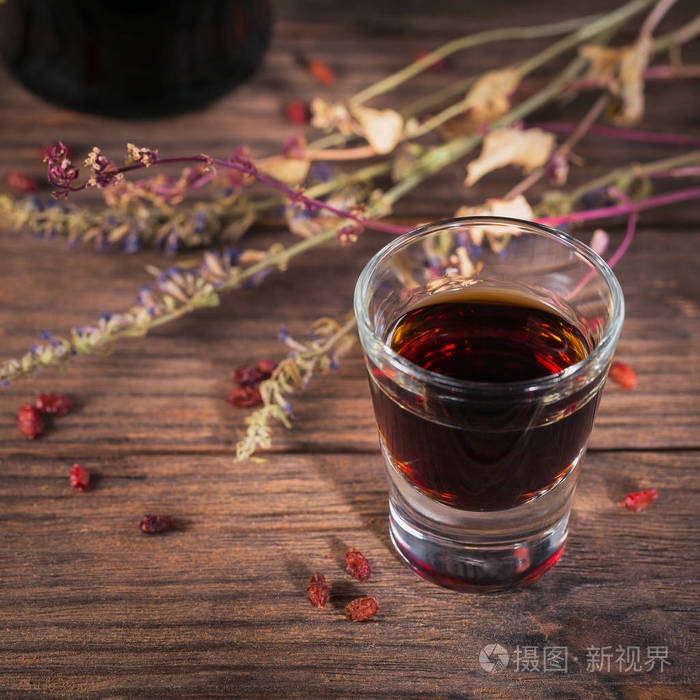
{"x": 167, "y": 391}
{"x": 89, "y": 605}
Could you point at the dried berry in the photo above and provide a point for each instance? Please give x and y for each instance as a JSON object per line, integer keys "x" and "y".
{"x": 317, "y": 590}
{"x": 244, "y": 396}
{"x": 297, "y": 112}
{"x": 320, "y": 71}
{"x": 29, "y": 421}
{"x": 79, "y": 477}
{"x": 623, "y": 374}
{"x": 357, "y": 566}
{"x": 247, "y": 375}
{"x": 640, "y": 499}
{"x": 21, "y": 183}
{"x": 266, "y": 367}
{"x": 58, "y": 404}
{"x": 438, "y": 65}
{"x": 153, "y": 524}
{"x": 361, "y": 609}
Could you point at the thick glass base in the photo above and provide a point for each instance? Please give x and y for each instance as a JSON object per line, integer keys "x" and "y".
{"x": 480, "y": 551}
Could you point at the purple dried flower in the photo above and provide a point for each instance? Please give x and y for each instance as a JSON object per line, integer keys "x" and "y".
{"x": 558, "y": 169}
{"x": 321, "y": 172}
{"x": 283, "y": 334}
{"x": 145, "y": 296}
{"x": 104, "y": 172}
{"x": 597, "y": 198}
{"x": 172, "y": 244}
{"x": 144, "y": 156}
{"x": 60, "y": 170}
{"x": 200, "y": 222}
{"x": 232, "y": 255}
{"x": 132, "y": 243}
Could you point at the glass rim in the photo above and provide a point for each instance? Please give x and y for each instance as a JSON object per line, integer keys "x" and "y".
{"x": 609, "y": 337}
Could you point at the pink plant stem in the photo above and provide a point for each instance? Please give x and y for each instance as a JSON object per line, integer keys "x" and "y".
{"x": 606, "y": 212}
{"x": 613, "y": 259}
{"x": 631, "y": 227}
{"x": 690, "y": 171}
{"x": 663, "y": 72}
{"x": 619, "y": 133}
{"x": 624, "y": 245}
{"x": 563, "y": 151}
{"x": 245, "y": 166}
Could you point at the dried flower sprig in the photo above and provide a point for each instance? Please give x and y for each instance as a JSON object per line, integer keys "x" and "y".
{"x": 176, "y": 292}
{"x": 328, "y": 343}
{"x": 185, "y": 291}
{"x": 137, "y": 220}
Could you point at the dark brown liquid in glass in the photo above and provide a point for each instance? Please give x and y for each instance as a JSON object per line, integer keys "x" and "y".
{"x": 512, "y": 455}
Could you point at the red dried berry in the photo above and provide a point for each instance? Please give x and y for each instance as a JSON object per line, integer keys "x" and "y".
{"x": 153, "y": 524}
{"x": 247, "y": 375}
{"x": 297, "y": 112}
{"x": 438, "y": 65}
{"x": 244, "y": 396}
{"x": 58, "y": 404}
{"x": 357, "y": 566}
{"x": 317, "y": 590}
{"x": 29, "y": 421}
{"x": 639, "y": 500}
{"x": 623, "y": 374}
{"x": 361, "y": 609}
{"x": 266, "y": 368}
{"x": 320, "y": 71}
{"x": 21, "y": 183}
{"x": 79, "y": 477}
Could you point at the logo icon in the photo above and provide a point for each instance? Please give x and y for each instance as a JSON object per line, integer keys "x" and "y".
{"x": 493, "y": 658}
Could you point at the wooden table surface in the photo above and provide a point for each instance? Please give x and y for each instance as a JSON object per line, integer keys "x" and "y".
{"x": 89, "y": 607}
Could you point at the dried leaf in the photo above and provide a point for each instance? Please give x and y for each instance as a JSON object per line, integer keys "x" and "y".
{"x": 529, "y": 148}
{"x": 622, "y": 70}
{"x": 327, "y": 115}
{"x": 634, "y": 61}
{"x": 517, "y": 208}
{"x": 290, "y": 171}
{"x": 489, "y": 97}
{"x": 383, "y": 128}
{"x": 603, "y": 62}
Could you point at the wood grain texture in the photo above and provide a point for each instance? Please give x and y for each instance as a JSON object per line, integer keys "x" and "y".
{"x": 91, "y": 608}
{"x": 90, "y": 605}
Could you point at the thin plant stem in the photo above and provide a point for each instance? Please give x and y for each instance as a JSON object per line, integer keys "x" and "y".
{"x": 440, "y": 156}
{"x": 654, "y": 17}
{"x": 634, "y": 170}
{"x": 505, "y": 34}
{"x": 620, "y": 133}
{"x": 607, "y": 212}
{"x": 563, "y": 150}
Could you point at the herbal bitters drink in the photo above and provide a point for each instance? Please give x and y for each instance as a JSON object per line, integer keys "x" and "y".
{"x": 485, "y": 377}
{"x": 500, "y": 337}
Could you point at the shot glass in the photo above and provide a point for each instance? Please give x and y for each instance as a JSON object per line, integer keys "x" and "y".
{"x": 482, "y": 450}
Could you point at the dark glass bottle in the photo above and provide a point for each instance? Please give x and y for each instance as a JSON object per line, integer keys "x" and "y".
{"x": 133, "y": 58}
